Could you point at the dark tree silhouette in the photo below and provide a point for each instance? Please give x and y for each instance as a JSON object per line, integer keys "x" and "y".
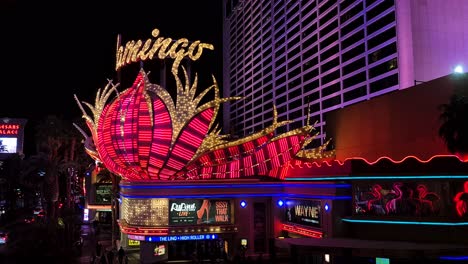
{"x": 54, "y": 170}
{"x": 454, "y": 127}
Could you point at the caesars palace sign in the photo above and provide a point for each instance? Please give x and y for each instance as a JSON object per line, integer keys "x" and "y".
{"x": 161, "y": 47}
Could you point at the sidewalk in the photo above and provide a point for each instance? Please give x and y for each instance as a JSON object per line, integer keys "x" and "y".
{"x": 90, "y": 239}
{"x": 133, "y": 256}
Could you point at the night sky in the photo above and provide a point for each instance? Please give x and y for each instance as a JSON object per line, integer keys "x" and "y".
{"x": 51, "y": 51}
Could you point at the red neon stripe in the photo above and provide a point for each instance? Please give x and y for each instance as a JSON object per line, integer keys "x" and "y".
{"x": 138, "y": 126}
{"x": 257, "y": 163}
{"x": 145, "y": 131}
{"x": 207, "y": 172}
{"x": 162, "y": 134}
{"x": 231, "y": 156}
{"x": 247, "y": 166}
{"x": 260, "y": 156}
{"x": 115, "y": 146}
{"x": 127, "y": 142}
{"x": 234, "y": 169}
{"x": 272, "y": 153}
{"x": 104, "y": 140}
{"x": 303, "y": 231}
{"x": 188, "y": 142}
{"x": 113, "y": 126}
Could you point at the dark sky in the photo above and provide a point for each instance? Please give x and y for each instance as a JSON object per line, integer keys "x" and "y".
{"x": 50, "y": 51}
{"x": 54, "y": 50}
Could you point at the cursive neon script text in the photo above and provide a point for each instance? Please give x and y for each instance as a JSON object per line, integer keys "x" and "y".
{"x": 164, "y": 47}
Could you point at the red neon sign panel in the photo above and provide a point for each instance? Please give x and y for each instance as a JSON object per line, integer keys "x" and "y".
{"x": 302, "y": 231}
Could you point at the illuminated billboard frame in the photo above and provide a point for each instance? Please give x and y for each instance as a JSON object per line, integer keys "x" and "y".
{"x": 103, "y": 194}
{"x": 181, "y": 238}
{"x": 199, "y": 211}
{"x": 8, "y": 144}
{"x": 11, "y": 135}
{"x": 303, "y": 212}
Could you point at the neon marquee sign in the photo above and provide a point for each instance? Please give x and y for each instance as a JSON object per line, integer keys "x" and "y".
{"x": 136, "y": 237}
{"x": 303, "y": 212}
{"x": 164, "y": 47}
{"x": 144, "y": 134}
{"x": 181, "y": 238}
{"x": 9, "y": 129}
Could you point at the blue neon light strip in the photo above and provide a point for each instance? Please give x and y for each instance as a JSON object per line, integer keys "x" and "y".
{"x": 237, "y": 195}
{"x": 221, "y": 186}
{"x": 453, "y": 258}
{"x": 181, "y": 238}
{"x": 405, "y": 222}
{"x": 389, "y": 177}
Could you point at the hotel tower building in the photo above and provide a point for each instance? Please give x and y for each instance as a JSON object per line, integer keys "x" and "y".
{"x": 315, "y": 56}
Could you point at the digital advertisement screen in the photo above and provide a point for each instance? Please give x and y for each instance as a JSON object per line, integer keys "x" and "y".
{"x": 181, "y": 238}
{"x": 133, "y": 243}
{"x": 303, "y": 212}
{"x": 244, "y": 242}
{"x": 159, "y": 250}
{"x": 103, "y": 194}
{"x": 8, "y": 145}
{"x": 86, "y": 214}
{"x": 382, "y": 261}
{"x": 401, "y": 198}
{"x": 199, "y": 211}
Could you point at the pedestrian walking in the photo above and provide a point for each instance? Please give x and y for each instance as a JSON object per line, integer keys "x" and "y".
{"x": 110, "y": 256}
{"x": 194, "y": 257}
{"x": 98, "y": 249}
{"x": 121, "y": 254}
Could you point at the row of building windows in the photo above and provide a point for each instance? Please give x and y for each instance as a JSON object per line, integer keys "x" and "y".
{"x": 242, "y": 30}
{"x": 311, "y": 69}
{"x": 293, "y": 106}
{"x": 240, "y": 61}
{"x": 309, "y": 45}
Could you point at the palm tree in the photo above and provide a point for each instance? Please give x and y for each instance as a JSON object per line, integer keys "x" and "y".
{"x": 9, "y": 169}
{"x": 62, "y": 161}
{"x": 454, "y": 127}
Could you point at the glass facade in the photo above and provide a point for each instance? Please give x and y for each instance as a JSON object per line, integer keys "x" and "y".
{"x": 306, "y": 57}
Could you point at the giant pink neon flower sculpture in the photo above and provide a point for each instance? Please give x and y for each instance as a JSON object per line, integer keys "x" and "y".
{"x": 143, "y": 135}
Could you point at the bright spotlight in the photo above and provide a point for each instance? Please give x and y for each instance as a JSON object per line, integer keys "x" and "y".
{"x": 280, "y": 203}
{"x": 458, "y": 69}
